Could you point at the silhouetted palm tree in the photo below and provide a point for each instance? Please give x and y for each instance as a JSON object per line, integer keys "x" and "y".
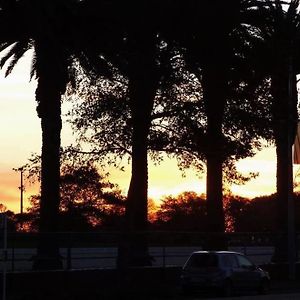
{"x": 140, "y": 55}
{"x": 47, "y": 27}
{"x": 211, "y": 34}
{"x": 128, "y": 40}
{"x": 279, "y": 48}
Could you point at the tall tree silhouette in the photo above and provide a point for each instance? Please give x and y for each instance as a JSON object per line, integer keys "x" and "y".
{"x": 279, "y": 59}
{"x": 139, "y": 63}
{"x": 45, "y": 26}
{"x": 49, "y": 66}
{"x": 133, "y": 48}
{"x": 211, "y": 42}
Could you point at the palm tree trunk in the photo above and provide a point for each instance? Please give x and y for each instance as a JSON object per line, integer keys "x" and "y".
{"x": 137, "y": 197}
{"x": 49, "y": 110}
{"x": 143, "y": 83}
{"x": 284, "y": 94}
{"x": 214, "y": 94}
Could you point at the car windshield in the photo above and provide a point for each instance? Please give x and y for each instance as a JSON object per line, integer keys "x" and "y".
{"x": 203, "y": 260}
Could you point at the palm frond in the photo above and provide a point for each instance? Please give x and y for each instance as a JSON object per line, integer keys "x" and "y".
{"x": 291, "y": 14}
{"x": 33, "y": 67}
{"x": 5, "y": 45}
{"x": 14, "y": 55}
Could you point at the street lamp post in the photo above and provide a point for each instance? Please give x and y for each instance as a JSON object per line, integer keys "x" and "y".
{"x": 21, "y": 187}
{"x": 21, "y": 190}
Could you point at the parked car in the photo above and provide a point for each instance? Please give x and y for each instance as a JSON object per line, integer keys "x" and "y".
{"x": 222, "y": 270}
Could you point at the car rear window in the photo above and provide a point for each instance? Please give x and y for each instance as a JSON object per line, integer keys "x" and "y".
{"x": 203, "y": 260}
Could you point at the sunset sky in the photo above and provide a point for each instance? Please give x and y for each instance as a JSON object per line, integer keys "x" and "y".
{"x": 20, "y": 135}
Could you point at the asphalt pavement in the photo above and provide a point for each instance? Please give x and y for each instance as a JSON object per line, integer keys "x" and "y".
{"x": 279, "y": 290}
{"x": 293, "y": 296}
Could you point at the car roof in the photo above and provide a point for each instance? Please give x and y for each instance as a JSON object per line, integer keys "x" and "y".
{"x": 215, "y": 252}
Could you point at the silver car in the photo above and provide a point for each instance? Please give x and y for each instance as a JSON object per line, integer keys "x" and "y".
{"x": 222, "y": 270}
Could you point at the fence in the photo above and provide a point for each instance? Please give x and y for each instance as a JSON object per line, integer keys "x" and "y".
{"x": 99, "y": 249}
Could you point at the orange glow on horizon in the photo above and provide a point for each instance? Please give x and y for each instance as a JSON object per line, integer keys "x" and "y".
{"x": 164, "y": 180}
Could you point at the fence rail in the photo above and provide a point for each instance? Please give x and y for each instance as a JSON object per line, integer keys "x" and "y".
{"x": 99, "y": 250}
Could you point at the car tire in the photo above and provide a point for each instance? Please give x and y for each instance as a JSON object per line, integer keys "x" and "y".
{"x": 264, "y": 287}
{"x": 227, "y": 288}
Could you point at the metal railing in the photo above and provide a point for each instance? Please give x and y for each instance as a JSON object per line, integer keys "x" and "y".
{"x": 100, "y": 249}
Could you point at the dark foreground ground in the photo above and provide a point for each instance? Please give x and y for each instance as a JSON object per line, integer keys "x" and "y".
{"x": 137, "y": 283}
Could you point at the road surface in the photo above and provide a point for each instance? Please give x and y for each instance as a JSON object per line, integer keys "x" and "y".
{"x": 294, "y": 296}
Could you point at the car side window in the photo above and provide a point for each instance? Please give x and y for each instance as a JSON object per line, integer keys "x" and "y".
{"x": 233, "y": 260}
{"x": 202, "y": 261}
{"x": 244, "y": 262}
{"x": 229, "y": 261}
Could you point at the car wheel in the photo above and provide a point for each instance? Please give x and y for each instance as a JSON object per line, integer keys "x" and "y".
{"x": 227, "y": 288}
{"x": 264, "y": 287}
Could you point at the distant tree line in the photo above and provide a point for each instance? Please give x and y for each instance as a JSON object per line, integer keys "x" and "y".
{"x": 185, "y": 212}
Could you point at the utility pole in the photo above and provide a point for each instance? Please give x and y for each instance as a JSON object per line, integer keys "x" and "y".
{"x": 21, "y": 187}
{"x": 21, "y": 191}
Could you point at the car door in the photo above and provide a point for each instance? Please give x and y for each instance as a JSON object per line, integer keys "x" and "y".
{"x": 248, "y": 275}
{"x": 201, "y": 267}
{"x": 231, "y": 268}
